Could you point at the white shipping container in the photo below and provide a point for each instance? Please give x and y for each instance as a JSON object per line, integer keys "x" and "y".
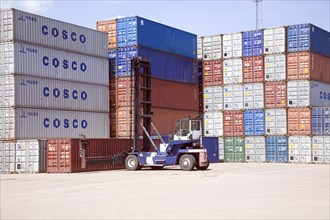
{"x": 232, "y": 45}
{"x": 19, "y": 58}
{"x": 26, "y": 27}
{"x": 304, "y": 93}
{"x": 253, "y": 96}
{"x": 221, "y": 149}
{"x": 232, "y": 71}
{"x": 321, "y": 149}
{"x": 276, "y": 121}
{"x": 199, "y": 48}
{"x": 213, "y": 98}
{"x": 207, "y": 48}
{"x": 216, "y": 47}
{"x": 33, "y": 92}
{"x": 275, "y": 67}
{"x": 255, "y": 149}
{"x": 274, "y": 40}
{"x": 300, "y": 149}
{"x": 27, "y": 156}
{"x": 7, "y": 157}
{"x": 233, "y": 97}
{"x": 27, "y": 123}
{"x": 213, "y": 124}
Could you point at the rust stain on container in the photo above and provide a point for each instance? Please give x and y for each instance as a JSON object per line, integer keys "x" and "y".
{"x": 253, "y": 69}
{"x": 308, "y": 66}
{"x": 275, "y": 94}
{"x": 212, "y": 73}
{"x": 299, "y": 121}
{"x": 109, "y": 27}
{"x": 233, "y": 123}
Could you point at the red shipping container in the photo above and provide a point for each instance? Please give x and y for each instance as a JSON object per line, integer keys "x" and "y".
{"x": 109, "y": 27}
{"x": 64, "y": 155}
{"x": 299, "y": 121}
{"x": 275, "y": 94}
{"x": 253, "y": 69}
{"x": 164, "y": 120}
{"x": 212, "y": 73}
{"x": 233, "y": 123}
{"x": 308, "y": 66}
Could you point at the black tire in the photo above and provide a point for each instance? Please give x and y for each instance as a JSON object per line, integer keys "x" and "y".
{"x": 203, "y": 168}
{"x": 132, "y": 163}
{"x": 187, "y": 162}
{"x": 157, "y": 167}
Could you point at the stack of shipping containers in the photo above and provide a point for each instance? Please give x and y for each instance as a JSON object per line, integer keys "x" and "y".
{"x": 53, "y": 84}
{"x": 275, "y": 94}
{"x": 173, "y": 57}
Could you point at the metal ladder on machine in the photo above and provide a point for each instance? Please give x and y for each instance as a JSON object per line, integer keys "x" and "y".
{"x": 142, "y": 84}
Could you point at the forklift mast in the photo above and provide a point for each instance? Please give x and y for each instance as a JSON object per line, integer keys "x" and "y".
{"x": 142, "y": 89}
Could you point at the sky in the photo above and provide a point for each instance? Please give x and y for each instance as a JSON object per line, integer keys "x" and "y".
{"x": 199, "y": 17}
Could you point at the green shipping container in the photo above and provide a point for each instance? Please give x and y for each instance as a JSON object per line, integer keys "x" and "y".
{"x": 234, "y": 149}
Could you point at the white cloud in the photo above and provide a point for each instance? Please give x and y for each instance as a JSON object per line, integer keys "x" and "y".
{"x": 33, "y": 6}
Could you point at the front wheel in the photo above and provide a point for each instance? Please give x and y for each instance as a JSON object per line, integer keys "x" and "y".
{"x": 187, "y": 162}
{"x": 204, "y": 167}
{"x": 132, "y": 163}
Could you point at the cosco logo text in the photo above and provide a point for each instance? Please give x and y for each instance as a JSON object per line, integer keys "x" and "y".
{"x": 324, "y": 95}
{"x": 63, "y": 34}
{"x": 55, "y": 62}
{"x": 66, "y": 123}
{"x": 74, "y": 94}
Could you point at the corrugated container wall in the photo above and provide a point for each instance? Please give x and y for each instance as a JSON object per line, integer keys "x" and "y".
{"x": 253, "y": 96}
{"x": 254, "y": 122}
{"x": 212, "y": 47}
{"x": 110, "y": 28}
{"x": 276, "y": 121}
{"x": 213, "y": 124}
{"x": 277, "y": 149}
{"x": 253, "y": 69}
{"x": 163, "y": 65}
{"x": 232, "y": 71}
{"x": 212, "y": 73}
{"x": 275, "y": 67}
{"x": 39, "y": 61}
{"x": 275, "y": 94}
{"x": 300, "y": 149}
{"x": 321, "y": 149}
{"x": 304, "y": 93}
{"x": 28, "y": 123}
{"x": 274, "y": 40}
{"x": 233, "y": 123}
{"x": 26, "y": 27}
{"x": 252, "y": 43}
{"x": 211, "y": 144}
{"x": 308, "y": 66}
{"x": 137, "y": 31}
{"x": 233, "y": 97}
{"x": 221, "y": 145}
{"x": 213, "y": 98}
{"x": 33, "y": 92}
{"x": 232, "y": 45}
{"x": 234, "y": 149}
{"x": 308, "y": 37}
{"x": 7, "y": 157}
{"x": 112, "y": 62}
{"x": 299, "y": 121}
{"x": 255, "y": 149}
{"x": 321, "y": 121}
{"x": 199, "y": 48}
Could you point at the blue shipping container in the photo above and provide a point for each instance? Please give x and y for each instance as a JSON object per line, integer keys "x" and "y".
{"x": 137, "y": 31}
{"x": 277, "y": 149}
{"x": 321, "y": 121}
{"x": 254, "y": 122}
{"x": 163, "y": 65}
{"x": 211, "y": 144}
{"x": 112, "y": 55}
{"x": 252, "y": 43}
{"x": 308, "y": 37}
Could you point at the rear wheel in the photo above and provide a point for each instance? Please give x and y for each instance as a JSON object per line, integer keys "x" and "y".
{"x": 132, "y": 163}
{"x": 204, "y": 167}
{"x": 187, "y": 162}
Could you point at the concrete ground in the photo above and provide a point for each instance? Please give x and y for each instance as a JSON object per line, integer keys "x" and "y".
{"x": 224, "y": 191}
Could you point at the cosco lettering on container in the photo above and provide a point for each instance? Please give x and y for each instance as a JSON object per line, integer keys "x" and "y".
{"x": 64, "y": 34}
{"x": 66, "y": 123}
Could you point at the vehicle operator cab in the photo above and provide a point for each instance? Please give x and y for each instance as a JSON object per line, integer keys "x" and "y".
{"x": 188, "y": 129}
